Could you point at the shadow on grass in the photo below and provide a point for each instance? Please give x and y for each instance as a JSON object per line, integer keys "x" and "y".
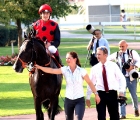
{"x": 9, "y": 87}
{"x": 20, "y": 103}
{"x": 13, "y": 96}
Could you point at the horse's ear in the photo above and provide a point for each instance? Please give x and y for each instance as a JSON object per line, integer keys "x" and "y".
{"x": 34, "y": 32}
{"x": 31, "y": 32}
{"x": 25, "y": 35}
{"x": 29, "y": 35}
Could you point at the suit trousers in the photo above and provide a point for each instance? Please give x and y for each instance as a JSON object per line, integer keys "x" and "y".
{"x": 109, "y": 100}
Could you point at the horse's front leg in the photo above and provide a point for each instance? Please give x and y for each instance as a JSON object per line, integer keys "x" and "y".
{"x": 54, "y": 109}
{"x": 39, "y": 113}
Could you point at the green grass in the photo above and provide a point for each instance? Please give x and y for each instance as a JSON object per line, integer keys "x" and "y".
{"x": 67, "y": 44}
{"x": 15, "y": 94}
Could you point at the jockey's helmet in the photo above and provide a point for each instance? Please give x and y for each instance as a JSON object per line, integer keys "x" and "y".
{"x": 45, "y": 8}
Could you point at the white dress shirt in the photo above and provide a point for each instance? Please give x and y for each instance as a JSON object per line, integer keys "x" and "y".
{"x": 124, "y": 17}
{"x": 115, "y": 78}
{"x": 74, "y": 82}
{"x": 135, "y": 55}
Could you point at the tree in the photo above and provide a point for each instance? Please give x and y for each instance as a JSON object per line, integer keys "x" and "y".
{"x": 26, "y": 11}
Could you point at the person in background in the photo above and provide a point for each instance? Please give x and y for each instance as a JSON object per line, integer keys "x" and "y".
{"x": 108, "y": 80}
{"x": 94, "y": 44}
{"x": 74, "y": 76}
{"x": 123, "y": 18}
{"x": 121, "y": 57}
{"x": 98, "y": 41}
{"x": 48, "y": 31}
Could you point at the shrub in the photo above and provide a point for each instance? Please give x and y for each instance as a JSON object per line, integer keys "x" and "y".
{"x": 8, "y": 60}
{"x": 4, "y": 33}
{"x": 7, "y": 34}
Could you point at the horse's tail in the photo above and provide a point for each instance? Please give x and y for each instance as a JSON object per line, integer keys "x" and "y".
{"x": 59, "y": 109}
{"x": 46, "y": 105}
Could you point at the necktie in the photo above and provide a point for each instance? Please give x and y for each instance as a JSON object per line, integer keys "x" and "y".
{"x": 97, "y": 44}
{"x": 105, "y": 79}
{"x": 123, "y": 61}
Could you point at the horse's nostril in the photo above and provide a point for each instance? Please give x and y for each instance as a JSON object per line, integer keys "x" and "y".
{"x": 17, "y": 68}
{"x": 20, "y": 70}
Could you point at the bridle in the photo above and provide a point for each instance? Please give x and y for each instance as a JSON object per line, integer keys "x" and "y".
{"x": 30, "y": 65}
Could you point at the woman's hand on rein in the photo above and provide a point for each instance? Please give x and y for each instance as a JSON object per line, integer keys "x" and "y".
{"x": 37, "y": 66}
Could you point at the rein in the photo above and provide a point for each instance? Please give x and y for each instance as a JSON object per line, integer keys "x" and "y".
{"x": 24, "y": 64}
{"x": 30, "y": 65}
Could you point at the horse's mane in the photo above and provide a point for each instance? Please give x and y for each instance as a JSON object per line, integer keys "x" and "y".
{"x": 40, "y": 42}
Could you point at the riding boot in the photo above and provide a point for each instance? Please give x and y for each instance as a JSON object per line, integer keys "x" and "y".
{"x": 57, "y": 57}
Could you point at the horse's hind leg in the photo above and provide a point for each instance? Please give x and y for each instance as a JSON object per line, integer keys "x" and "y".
{"x": 39, "y": 113}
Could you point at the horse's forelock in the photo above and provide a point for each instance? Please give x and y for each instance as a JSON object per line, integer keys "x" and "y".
{"x": 23, "y": 46}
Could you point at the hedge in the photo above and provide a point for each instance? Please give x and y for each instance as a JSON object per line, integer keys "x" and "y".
{"x": 7, "y": 34}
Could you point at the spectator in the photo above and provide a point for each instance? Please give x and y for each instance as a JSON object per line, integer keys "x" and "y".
{"x": 96, "y": 42}
{"x": 123, "y": 18}
{"x": 121, "y": 57}
{"x": 108, "y": 79}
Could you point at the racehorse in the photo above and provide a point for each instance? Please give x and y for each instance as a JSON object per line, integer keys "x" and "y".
{"x": 45, "y": 87}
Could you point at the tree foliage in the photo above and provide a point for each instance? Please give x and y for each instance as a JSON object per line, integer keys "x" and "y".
{"x": 26, "y": 11}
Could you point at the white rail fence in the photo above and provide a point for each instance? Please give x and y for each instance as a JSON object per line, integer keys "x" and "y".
{"x": 134, "y": 25}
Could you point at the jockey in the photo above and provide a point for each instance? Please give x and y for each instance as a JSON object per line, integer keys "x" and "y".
{"x": 48, "y": 31}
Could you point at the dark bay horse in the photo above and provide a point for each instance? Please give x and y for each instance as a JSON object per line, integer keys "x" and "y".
{"x": 45, "y": 87}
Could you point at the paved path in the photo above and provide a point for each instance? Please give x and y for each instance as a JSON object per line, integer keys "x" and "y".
{"x": 65, "y": 34}
{"x": 90, "y": 114}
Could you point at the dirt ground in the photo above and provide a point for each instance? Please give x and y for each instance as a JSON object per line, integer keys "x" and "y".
{"x": 90, "y": 114}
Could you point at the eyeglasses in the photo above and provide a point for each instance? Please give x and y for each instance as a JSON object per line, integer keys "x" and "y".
{"x": 102, "y": 48}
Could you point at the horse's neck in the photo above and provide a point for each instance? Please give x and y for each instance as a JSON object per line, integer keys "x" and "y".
{"x": 42, "y": 57}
